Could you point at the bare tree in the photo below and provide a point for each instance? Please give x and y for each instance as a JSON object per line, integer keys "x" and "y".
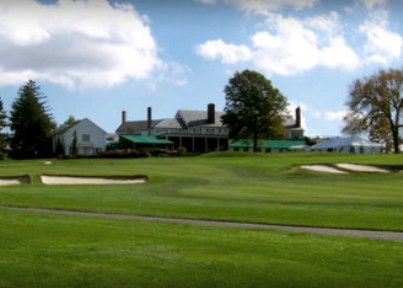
{"x": 376, "y": 106}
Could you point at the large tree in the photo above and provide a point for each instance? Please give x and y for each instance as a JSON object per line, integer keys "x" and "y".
{"x": 254, "y": 108}
{"x": 376, "y": 107}
{"x": 3, "y": 138}
{"x": 31, "y": 124}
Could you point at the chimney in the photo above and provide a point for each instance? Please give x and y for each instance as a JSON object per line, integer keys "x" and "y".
{"x": 210, "y": 113}
{"x": 298, "y": 117}
{"x": 149, "y": 118}
{"x": 124, "y": 119}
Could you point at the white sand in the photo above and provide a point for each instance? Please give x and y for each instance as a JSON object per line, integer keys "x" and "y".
{"x": 323, "y": 168}
{"x": 361, "y": 168}
{"x": 7, "y": 182}
{"x": 64, "y": 180}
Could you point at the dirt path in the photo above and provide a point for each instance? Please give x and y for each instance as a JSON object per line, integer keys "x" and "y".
{"x": 387, "y": 235}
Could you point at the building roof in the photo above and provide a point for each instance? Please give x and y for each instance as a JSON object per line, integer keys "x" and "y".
{"x": 139, "y": 139}
{"x": 63, "y": 128}
{"x": 169, "y": 124}
{"x": 134, "y": 126}
{"x": 267, "y": 144}
{"x": 198, "y": 118}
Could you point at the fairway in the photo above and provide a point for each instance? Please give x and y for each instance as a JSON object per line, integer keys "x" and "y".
{"x": 74, "y": 251}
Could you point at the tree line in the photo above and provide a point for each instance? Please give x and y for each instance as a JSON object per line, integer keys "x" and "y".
{"x": 254, "y": 109}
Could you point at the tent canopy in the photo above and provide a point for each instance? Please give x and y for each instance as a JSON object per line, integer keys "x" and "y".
{"x": 354, "y": 141}
{"x": 139, "y": 139}
{"x": 267, "y": 144}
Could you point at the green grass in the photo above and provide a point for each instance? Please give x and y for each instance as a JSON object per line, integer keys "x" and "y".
{"x": 60, "y": 251}
{"x": 225, "y": 186}
{"x": 40, "y": 250}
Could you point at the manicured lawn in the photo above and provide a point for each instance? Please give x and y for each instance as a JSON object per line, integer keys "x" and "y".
{"x": 39, "y": 250}
{"x": 235, "y": 187}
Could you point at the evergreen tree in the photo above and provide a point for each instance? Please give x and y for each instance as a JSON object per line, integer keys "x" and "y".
{"x": 3, "y": 136}
{"x": 31, "y": 124}
{"x": 59, "y": 149}
{"x": 73, "y": 147}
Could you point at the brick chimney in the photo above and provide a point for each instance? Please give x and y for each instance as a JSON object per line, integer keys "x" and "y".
{"x": 149, "y": 118}
{"x": 298, "y": 117}
{"x": 210, "y": 113}
{"x": 124, "y": 117}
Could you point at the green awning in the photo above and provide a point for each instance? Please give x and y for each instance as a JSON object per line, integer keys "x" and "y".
{"x": 139, "y": 139}
{"x": 267, "y": 144}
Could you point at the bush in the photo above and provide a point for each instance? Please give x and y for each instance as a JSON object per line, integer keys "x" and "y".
{"x": 182, "y": 151}
{"x": 128, "y": 153}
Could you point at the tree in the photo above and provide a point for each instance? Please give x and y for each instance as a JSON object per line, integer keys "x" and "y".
{"x": 254, "y": 108}
{"x": 73, "y": 146}
{"x": 31, "y": 124}
{"x": 3, "y": 138}
{"x": 376, "y": 107}
{"x": 70, "y": 121}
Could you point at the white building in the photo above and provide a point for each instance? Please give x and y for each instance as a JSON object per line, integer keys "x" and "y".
{"x": 353, "y": 145}
{"x": 90, "y": 138}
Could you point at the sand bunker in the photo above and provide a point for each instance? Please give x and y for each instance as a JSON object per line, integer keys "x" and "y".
{"x": 323, "y": 168}
{"x": 70, "y": 180}
{"x": 361, "y": 168}
{"x": 14, "y": 181}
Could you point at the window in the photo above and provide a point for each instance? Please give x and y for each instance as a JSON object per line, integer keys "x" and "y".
{"x": 86, "y": 137}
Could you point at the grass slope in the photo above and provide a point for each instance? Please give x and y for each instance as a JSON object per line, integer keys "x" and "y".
{"x": 225, "y": 186}
{"x": 39, "y": 250}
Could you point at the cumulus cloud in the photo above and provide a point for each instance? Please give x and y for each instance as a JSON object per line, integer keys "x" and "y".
{"x": 80, "y": 43}
{"x": 382, "y": 45}
{"x": 227, "y": 53}
{"x": 263, "y": 6}
{"x": 291, "y": 46}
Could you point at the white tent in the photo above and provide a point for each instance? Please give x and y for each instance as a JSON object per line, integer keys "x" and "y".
{"x": 354, "y": 145}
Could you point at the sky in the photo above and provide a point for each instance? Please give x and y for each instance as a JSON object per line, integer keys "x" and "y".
{"x": 95, "y": 58}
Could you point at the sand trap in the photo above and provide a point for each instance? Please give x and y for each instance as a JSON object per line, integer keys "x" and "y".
{"x": 7, "y": 182}
{"x": 361, "y": 168}
{"x": 323, "y": 168}
{"x": 14, "y": 181}
{"x": 69, "y": 180}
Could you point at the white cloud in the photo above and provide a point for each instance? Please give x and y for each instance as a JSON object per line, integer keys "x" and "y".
{"x": 335, "y": 115}
{"x": 382, "y": 45}
{"x": 264, "y": 6}
{"x": 227, "y": 53}
{"x": 373, "y": 3}
{"x": 294, "y": 46}
{"x": 172, "y": 73}
{"x": 74, "y": 43}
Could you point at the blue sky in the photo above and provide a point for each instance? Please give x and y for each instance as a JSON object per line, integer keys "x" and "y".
{"x": 96, "y": 58}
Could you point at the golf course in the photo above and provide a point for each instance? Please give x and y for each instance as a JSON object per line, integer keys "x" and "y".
{"x": 170, "y": 230}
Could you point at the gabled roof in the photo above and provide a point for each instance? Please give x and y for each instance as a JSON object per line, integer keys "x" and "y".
{"x": 169, "y": 124}
{"x": 63, "y": 128}
{"x": 198, "y": 118}
{"x": 133, "y": 126}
